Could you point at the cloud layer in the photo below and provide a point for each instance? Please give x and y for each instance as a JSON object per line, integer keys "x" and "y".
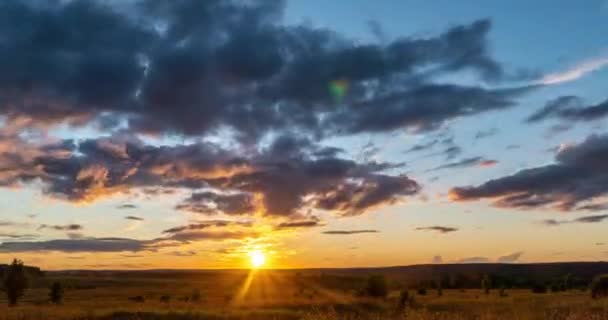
{"x": 578, "y": 177}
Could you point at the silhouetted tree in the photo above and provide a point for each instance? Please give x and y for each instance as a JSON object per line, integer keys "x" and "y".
{"x": 376, "y": 286}
{"x": 599, "y": 287}
{"x": 15, "y": 282}
{"x": 485, "y": 284}
{"x": 56, "y": 293}
{"x": 567, "y": 282}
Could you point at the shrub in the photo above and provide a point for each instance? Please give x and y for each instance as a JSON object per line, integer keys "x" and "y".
{"x": 56, "y": 293}
{"x": 599, "y": 287}
{"x": 15, "y": 282}
{"x": 539, "y": 288}
{"x": 195, "y": 296}
{"x": 377, "y": 286}
{"x": 502, "y": 292}
{"x": 139, "y": 299}
{"x": 165, "y": 299}
{"x": 405, "y": 300}
{"x": 422, "y": 291}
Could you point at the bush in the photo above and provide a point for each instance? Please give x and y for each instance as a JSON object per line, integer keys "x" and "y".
{"x": 422, "y": 291}
{"x": 195, "y": 296}
{"x": 15, "y": 282}
{"x": 405, "y": 301}
{"x": 486, "y": 284}
{"x": 502, "y": 292}
{"x": 599, "y": 287}
{"x": 377, "y": 286}
{"x": 139, "y": 299}
{"x": 165, "y": 299}
{"x": 539, "y": 288}
{"x": 56, "y": 293}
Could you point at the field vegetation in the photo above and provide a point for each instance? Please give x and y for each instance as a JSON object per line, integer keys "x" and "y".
{"x": 292, "y": 295}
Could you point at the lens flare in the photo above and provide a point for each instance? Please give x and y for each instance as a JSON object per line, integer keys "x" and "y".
{"x": 338, "y": 89}
{"x": 257, "y": 259}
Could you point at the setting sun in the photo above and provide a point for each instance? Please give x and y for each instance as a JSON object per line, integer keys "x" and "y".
{"x": 257, "y": 259}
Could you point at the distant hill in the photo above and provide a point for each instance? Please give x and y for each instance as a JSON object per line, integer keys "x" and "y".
{"x": 450, "y": 275}
{"x": 514, "y": 274}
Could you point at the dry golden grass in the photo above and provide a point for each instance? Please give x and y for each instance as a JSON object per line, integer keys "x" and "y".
{"x": 282, "y": 296}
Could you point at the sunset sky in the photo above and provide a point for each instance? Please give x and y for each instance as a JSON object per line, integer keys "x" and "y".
{"x": 347, "y": 133}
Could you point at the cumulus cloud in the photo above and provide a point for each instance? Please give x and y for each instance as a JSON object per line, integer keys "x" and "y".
{"x": 439, "y": 229}
{"x": 234, "y": 69}
{"x": 348, "y": 232}
{"x": 236, "y": 66}
{"x": 212, "y": 203}
{"x": 289, "y": 176}
{"x": 578, "y": 177}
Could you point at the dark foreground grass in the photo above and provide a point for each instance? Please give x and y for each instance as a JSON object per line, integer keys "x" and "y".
{"x": 452, "y": 306}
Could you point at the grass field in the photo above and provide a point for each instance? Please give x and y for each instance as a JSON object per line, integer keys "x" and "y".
{"x": 279, "y": 295}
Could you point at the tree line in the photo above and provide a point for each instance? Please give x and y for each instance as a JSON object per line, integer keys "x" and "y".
{"x": 16, "y": 281}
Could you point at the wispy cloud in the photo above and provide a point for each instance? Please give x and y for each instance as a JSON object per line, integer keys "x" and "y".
{"x": 510, "y": 258}
{"x": 67, "y": 227}
{"x": 585, "y": 219}
{"x": 126, "y": 206}
{"x": 440, "y": 229}
{"x": 348, "y": 232}
{"x": 299, "y": 224}
{"x": 577, "y": 71}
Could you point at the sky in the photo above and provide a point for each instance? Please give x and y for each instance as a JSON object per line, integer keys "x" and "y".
{"x": 190, "y": 134}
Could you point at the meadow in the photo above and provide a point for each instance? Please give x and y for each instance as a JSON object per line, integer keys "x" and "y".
{"x": 280, "y": 295}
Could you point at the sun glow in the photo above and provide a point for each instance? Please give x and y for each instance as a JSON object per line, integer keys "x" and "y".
{"x": 257, "y": 259}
